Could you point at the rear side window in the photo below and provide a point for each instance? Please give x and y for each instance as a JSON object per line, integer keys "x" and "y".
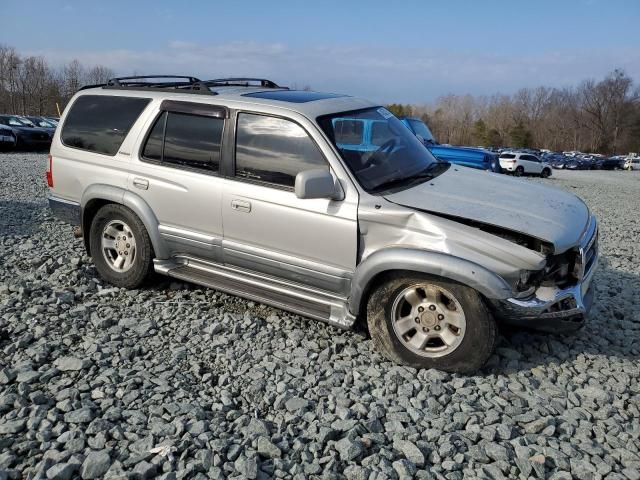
{"x": 348, "y": 131}
{"x": 99, "y": 124}
{"x": 274, "y": 150}
{"x": 187, "y": 140}
{"x": 508, "y": 155}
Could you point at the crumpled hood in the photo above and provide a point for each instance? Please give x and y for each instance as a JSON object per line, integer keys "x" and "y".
{"x": 546, "y": 213}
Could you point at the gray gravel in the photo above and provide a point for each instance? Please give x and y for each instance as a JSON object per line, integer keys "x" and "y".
{"x": 178, "y": 381}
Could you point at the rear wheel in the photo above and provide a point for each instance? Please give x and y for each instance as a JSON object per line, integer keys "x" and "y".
{"x": 519, "y": 171}
{"x": 120, "y": 246}
{"x": 427, "y": 322}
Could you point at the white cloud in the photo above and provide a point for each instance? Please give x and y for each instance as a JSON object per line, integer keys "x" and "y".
{"x": 383, "y": 74}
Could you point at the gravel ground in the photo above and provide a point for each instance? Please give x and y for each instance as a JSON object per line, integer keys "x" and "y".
{"x": 183, "y": 382}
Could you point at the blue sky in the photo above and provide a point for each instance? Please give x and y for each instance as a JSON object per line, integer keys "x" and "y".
{"x": 390, "y": 51}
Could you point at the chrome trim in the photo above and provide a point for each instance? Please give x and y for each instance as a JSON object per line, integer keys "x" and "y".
{"x": 588, "y": 240}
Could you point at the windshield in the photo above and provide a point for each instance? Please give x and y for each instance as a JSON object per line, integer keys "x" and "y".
{"x": 43, "y": 123}
{"x": 420, "y": 128}
{"x": 380, "y": 151}
{"x": 26, "y": 121}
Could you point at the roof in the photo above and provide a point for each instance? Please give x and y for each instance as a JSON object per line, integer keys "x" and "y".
{"x": 307, "y": 103}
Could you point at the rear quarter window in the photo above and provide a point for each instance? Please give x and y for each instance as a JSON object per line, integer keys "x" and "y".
{"x": 100, "y": 123}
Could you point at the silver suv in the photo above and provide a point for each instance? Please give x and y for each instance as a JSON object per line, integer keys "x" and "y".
{"x": 275, "y": 195}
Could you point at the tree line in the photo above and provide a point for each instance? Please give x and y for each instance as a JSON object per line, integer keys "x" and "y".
{"x": 594, "y": 116}
{"x": 30, "y": 86}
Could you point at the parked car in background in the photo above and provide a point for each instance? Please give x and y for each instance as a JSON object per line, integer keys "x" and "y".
{"x": 467, "y": 156}
{"x": 520, "y": 163}
{"x": 42, "y": 122}
{"x": 7, "y": 138}
{"x": 28, "y": 136}
{"x": 604, "y": 163}
{"x": 632, "y": 163}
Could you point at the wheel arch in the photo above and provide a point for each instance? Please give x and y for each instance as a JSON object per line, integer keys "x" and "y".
{"x": 396, "y": 260}
{"x": 98, "y": 195}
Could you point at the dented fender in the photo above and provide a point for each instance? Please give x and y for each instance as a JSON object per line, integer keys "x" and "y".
{"x": 434, "y": 263}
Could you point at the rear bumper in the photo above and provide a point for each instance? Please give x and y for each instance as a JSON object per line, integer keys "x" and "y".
{"x": 65, "y": 210}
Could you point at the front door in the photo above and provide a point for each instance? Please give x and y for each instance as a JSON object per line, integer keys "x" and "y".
{"x": 267, "y": 229}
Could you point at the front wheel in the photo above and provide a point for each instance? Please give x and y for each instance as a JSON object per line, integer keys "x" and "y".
{"x": 545, "y": 173}
{"x": 120, "y": 246}
{"x": 427, "y": 322}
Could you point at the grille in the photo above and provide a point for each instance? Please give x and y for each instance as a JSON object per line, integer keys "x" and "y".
{"x": 588, "y": 253}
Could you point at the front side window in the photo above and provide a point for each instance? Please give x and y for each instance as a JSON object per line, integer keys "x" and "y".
{"x": 274, "y": 150}
{"x": 191, "y": 141}
{"x": 100, "y": 123}
{"x": 393, "y": 158}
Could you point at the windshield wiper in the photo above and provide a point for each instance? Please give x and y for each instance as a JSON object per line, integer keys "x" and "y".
{"x": 428, "y": 173}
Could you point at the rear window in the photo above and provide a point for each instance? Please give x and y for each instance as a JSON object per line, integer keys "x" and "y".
{"x": 508, "y": 155}
{"x": 99, "y": 123}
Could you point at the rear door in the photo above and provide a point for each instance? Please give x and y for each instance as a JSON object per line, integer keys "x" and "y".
{"x": 531, "y": 163}
{"x": 267, "y": 229}
{"x": 177, "y": 172}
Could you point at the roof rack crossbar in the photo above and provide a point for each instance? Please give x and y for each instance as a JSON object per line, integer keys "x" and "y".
{"x": 241, "y": 82}
{"x": 119, "y": 81}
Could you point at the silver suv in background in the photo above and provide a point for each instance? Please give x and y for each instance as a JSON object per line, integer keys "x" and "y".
{"x": 252, "y": 189}
{"x": 520, "y": 163}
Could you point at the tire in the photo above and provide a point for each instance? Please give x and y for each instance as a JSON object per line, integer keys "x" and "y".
{"x": 545, "y": 173}
{"x": 470, "y": 347}
{"x": 128, "y": 263}
{"x": 519, "y": 171}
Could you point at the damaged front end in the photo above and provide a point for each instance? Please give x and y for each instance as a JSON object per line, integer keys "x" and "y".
{"x": 546, "y": 290}
{"x": 562, "y": 293}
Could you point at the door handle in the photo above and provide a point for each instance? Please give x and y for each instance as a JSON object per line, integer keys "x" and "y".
{"x": 141, "y": 183}
{"x": 241, "y": 205}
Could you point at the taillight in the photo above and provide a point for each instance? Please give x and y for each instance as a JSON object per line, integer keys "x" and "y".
{"x": 50, "y": 172}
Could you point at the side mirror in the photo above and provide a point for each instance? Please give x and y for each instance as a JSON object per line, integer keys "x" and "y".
{"x": 317, "y": 183}
{"x": 421, "y": 138}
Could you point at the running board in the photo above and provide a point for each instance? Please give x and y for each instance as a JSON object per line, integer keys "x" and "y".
{"x": 287, "y": 296}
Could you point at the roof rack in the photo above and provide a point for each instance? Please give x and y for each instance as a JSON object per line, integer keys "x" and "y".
{"x": 183, "y": 83}
{"x": 242, "y": 82}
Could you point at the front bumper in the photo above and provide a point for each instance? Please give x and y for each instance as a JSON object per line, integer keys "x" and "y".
{"x": 555, "y": 309}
